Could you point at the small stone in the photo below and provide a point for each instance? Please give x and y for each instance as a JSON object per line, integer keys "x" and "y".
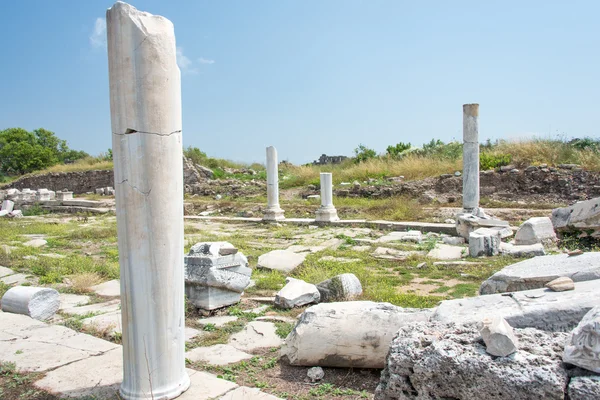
{"x": 297, "y": 293}
{"x": 498, "y": 335}
{"x": 561, "y": 284}
{"x": 315, "y": 374}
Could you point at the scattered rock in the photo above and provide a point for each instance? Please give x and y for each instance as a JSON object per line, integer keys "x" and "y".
{"x": 296, "y": 293}
{"x": 498, "y": 337}
{"x": 561, "y": 284}
{"x": 453, "y": 240}
{"x": 315, "y": 374}
{"x": 36, "y": 243}
{"x": 353, "y": 334}
{"x": 538, "y": 308}
{"x": 256, "y": 335}
{"x": 342, "y": 287}
{"x": 38, "y": 303}
{"x": 536, "y": 230}
{"x": 281, "y": 260}
{"x": 536, "y": 272}
{"x": 448, "y": 361}
{"x": 583, "y": 345}
{"x": 582, "y": 217}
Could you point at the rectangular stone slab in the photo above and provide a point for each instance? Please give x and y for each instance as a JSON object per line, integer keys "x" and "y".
{"x": 536, "y": 272}
{"x": 539, "y": 308}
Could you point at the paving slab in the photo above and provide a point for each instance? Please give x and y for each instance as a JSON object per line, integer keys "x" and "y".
{"x": 36, "y": 243}
{"x": 5, "y": 271}
{"x": 446, "y": 252}
{"x": 393, "y": 254}
{"x": 98, "y": 377}
{"x": 68, "y": 300}
{"x": 219, "y": 354}
{"x": 538, "y": 308}
{"x": 110, "y": 288}
{"x": 96, "y": 308}
{"x": 40, "y": 347}
{"x": 536, "y": 272}
{"x": 15, "y": 279}
{"x": 205, "y": 386}
{"x": 246, "y": 393}
{"x": 256, "y": 335}
{"x": 111, "y": 321}
{"x": 281, "y": 260}
{"x": 219, "y": 321}
{"x": 191, "y": 333}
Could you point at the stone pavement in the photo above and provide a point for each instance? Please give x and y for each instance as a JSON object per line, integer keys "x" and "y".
{"x": 79, "y": 365}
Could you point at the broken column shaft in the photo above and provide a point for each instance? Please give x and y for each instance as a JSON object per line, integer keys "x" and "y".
{"x": 327, "y": 211}
{"x": 145, "y": 104}
{"x": 471, "y": 157}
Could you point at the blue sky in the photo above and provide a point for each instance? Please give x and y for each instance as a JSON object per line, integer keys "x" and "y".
{"x": 313, "y": 77}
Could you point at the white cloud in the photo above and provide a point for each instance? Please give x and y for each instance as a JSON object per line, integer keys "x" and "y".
{"x": 185, "y": 64}
{"x": 205, "y": 61}
{"x": 98, "y": 36}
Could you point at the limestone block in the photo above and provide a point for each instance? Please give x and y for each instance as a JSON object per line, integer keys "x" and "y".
{"x": 60, "y": 196}
{"x": 448, "y": 361}
{"x": 342, "y": 287}
{"x": 583, "y": 345}
{"x": 484, "y": 242}
{"x": 38, "y": 303}
{"x": 582, "y": 216}
{"x": 210, "y": 298}
{"x": 561, "y": 284}
{"x": 536, "y": 230}
{"x": 584, "y": 388}
{"x": 256, "y": 335}
{"x": 296, "y": 293}
{"x": 100, "y": 191}
{"x": 538, "y": 308}
{"x": 536, "y": 272}
{"x": 7, "y": 205}
{"x": 281, "y": 260}
{"x": 498, "y": 336}
{"x": 219, "y": 354}
{"x": 353, "y": 334}
{"x": 531, "y": 250}
{"x": 467, "y": 223}
{"x": 3, "y": 213}
{"x": 446, "y": 252}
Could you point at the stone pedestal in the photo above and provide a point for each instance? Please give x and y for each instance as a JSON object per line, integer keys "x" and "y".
{"x": 471, "y": 158}
{"x": 145, "y": 104}
{"x": 327, "y": 212}
{"x": 215, "y": 275}
{"x": 60, "y": 196}
{"x": 273, "y": 211}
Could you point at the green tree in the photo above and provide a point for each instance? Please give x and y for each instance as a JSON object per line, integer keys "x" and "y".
{"x": 22, "y": 151}
{"x": 363, "y": 153}
{"x": 398, "y": 149}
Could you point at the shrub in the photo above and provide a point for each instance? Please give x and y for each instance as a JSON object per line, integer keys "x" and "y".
{"x": 398, "y": 149}
{"x": 491, "y": 161}
{"x": 363, "y": 153}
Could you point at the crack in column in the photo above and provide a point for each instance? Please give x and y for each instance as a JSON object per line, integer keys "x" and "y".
{"x": 130, "y": 131}
{"x": 134, "y": 187}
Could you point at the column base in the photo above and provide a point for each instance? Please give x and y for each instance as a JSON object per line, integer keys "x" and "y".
{"x": 163, "y": 394}
{"x": 328, "y": 214}
{"x": 273, "y": 214}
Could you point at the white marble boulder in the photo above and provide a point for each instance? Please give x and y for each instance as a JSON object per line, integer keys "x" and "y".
{"x": 342, "y": 287}
{"x": 582, "y": 217}
{"x": 296, "y": 293}
{"x": 536, "y": 230}
{"x": 353, "y": 334}
{"x": 216, "y": 275}
{"x": 583, "y": 346}
{"x": 430, "y": 361}
{"x": 498, "y": 336}
{"x": 36, "y": 302}
{"x": 484, "y": 242}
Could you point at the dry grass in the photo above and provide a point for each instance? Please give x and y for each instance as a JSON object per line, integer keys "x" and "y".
{"x": 85, "y": 164}
{"x": 81, "y": 283}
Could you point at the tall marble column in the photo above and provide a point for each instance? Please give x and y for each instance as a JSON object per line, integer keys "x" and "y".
{"x": 273, "y": 211}
{"x": 471, "y": 158}
{"x": 327, "y": 212}
{"x": 145, "y": 106}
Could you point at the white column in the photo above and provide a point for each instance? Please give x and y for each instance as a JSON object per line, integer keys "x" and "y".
{"x": 145, "y": 105}
{"x": 327, "y": 212}
{"x": 273, "y": 211}
{"x": 471, "y": 158}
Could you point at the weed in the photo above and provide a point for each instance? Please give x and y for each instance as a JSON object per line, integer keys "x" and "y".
{"x": 283, "y": 329}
